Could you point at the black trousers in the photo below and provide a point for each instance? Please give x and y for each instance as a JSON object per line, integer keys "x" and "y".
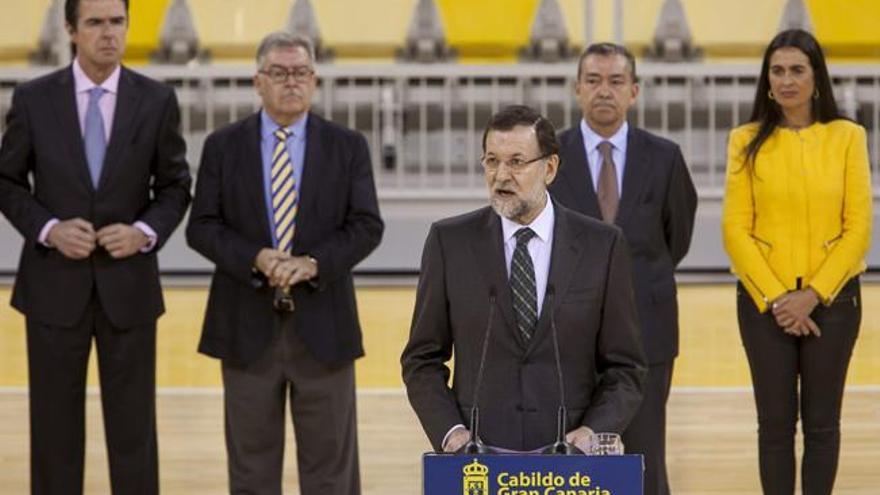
{"x": 322, "y": 405}
{"x": 778, "y": 362}
{"x": 57, "y": 367}
{"x": 646, "y": 434}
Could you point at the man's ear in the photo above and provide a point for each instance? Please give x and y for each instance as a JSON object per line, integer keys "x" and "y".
{"x": 552, "y": 165}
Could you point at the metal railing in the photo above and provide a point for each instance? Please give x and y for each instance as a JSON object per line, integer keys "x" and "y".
{"x": 424, "y": 122}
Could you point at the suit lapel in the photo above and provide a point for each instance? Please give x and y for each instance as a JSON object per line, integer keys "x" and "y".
{"x": 64, "y": 102}
{"x": 577, "y": 174}
{"x": 311, "y": 174}
{"x": 128, "y": 100}
{"x": 251, "y": 161}
{"x": 489, "y": 253}
{"x": 566, "y": 252}
{"x": 635, "y": 175}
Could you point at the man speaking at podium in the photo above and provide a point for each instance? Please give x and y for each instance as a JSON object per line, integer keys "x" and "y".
{"x": 497, "y": 283}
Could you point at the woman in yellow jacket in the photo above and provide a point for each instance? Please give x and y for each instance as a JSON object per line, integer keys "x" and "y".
{"x": 796, "y": 224}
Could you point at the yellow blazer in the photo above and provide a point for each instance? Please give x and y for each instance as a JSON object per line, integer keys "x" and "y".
{"x": 805, "y": 212}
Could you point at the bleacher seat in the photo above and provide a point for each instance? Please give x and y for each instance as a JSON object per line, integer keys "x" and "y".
{"x": 490, "y": 31}
{"x": 21, "y": 31}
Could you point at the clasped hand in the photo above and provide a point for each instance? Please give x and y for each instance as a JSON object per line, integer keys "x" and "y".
{"x": 77, "y": 239}
{"x": 283, "y": 270}
{"x": 792, "y": 312}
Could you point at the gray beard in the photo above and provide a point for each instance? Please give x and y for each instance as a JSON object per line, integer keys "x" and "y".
{"x": 512, "y": 209}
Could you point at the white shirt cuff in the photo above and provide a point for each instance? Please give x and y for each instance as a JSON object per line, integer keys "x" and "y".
{"x": 43, "y": 238}
{"x": 448, "y": 433}
{"x": 150, "y": 233}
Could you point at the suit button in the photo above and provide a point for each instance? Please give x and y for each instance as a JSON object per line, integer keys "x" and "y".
{"x": 519, "y": 408}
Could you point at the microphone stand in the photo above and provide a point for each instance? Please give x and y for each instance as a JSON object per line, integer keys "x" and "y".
{"x": 560, "y": 446}
{"x": 475, "y": 445}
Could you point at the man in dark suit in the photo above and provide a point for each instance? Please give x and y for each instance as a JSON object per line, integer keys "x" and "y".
{"x": 530, "y": 263}
{"x": 285, "y": 206}
{"x": 110, "y": 184}
{"x": 638, "y": 181}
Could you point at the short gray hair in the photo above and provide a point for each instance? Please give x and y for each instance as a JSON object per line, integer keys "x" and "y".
{"x": 283, "y": 39}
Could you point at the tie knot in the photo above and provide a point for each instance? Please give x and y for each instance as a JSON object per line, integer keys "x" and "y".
{"x": 282, "y": 134}
{"x": 96, "y": 93}
{"x": 524, "y": 235}
{"x": 605, "y": 149}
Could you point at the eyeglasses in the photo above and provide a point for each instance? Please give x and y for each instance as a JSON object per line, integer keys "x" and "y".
{"x": 279, "y": 75}
{"x": 491, "y": 164}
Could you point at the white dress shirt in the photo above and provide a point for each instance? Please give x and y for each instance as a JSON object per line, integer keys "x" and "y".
{"x": 107, "y": 103}
{"x": 540, "y": 246}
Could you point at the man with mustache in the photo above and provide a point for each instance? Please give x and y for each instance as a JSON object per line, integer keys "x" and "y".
{"x": 93, "y": 175}
{"x": 285, "y": 207}
{"x": 631, "y": 178}
{"x": 531, "y": 264}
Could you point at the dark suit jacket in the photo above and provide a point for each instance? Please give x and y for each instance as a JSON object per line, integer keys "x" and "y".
{"x": 602, "y": 359}
{"x": 337, "y": 223}
{"x": 656, "y": 213}
{"x": 145, "y": 177}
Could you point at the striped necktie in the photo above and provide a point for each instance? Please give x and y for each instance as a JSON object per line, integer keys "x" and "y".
{"x": 522, "y": 285}
{"x": 284, "y": 200}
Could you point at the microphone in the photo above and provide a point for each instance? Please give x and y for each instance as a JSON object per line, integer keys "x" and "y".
{"x": 475, "y": 445}
{"x": 560, "y": 447}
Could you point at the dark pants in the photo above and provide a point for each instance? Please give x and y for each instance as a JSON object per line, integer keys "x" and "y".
{"x": 777, "y": 361}
{"x": 322, "y": 404}
{"x": 57, "y": 366}
{"x": 646, "y": 434}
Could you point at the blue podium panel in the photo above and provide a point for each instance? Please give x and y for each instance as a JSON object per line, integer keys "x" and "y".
{"x": 532, "y": 475}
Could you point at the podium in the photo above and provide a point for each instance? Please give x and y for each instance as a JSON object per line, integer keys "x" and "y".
{"x": 529, "y": 474}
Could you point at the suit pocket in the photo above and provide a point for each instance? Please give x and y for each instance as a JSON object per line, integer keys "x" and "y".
{"x": 580, "y": 295}
{"x": 829, "y": 244}
{"x": 764, "y": 246}
{"x": 647, "y": 198}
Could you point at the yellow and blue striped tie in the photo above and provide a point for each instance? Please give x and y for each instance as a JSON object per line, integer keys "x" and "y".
{"x": 284, "y": 200}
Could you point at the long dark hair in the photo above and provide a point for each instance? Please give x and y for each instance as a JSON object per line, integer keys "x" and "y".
{"x": 766, "y": 112}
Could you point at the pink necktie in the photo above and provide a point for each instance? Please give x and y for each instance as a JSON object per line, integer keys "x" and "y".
{"x": 609, "y": 197}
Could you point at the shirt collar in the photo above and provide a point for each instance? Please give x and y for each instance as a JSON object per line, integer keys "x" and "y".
{"x": 269, "y": 126}
{"x": 542, "y": 225}
{"x": 592, "y": 139}
{"x": 83, "y": 84}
